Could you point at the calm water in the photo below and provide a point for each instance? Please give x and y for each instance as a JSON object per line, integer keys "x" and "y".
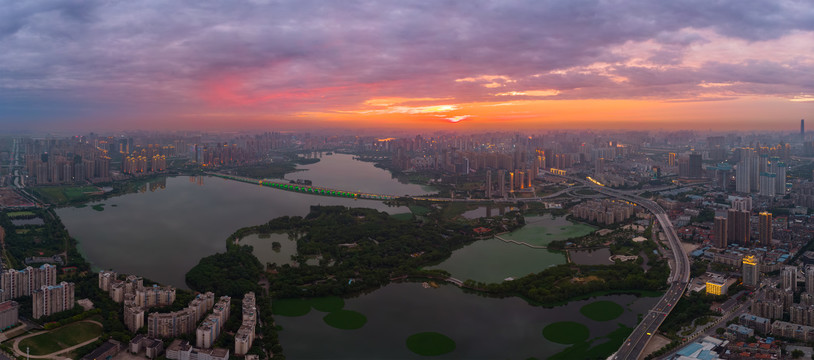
{"x": 591, "y": 257}
{"x": 494, "y": 260}
{"x": 340, "y": 171}
{"x": 483, "y": 328}
{"x": 161, "y": 234}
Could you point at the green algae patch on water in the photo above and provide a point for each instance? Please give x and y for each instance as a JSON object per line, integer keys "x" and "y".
{"x": 430, "y": 344}
{"x": 291, "y": 307}
{"x": 345, "y": 319}
{"x": 602, "y": 310}
{"x": 328, "y": 303}
{"x": 566, "y": 332}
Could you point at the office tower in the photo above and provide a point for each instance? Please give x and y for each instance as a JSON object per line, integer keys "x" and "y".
{"x": 802, "y": 129}
{"x": 751, "y": 271}
{"x": 488, "y": 184}
{"x": 738, "y": 227}
{"x": 600, "y": 166}
{"x": 671, "y": 159}
{"x": 765, "y": 228}
{"x": 720, "y": 232}
{"x": 511, "y": 181}
{"x": 789, "y": 275}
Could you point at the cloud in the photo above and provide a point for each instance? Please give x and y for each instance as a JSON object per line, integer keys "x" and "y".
{"x": 289, "y": 56}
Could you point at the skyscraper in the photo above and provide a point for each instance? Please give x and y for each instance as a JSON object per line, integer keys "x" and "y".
{"x": 802, "y": 129}
{"x": 789, "y": 276}
{"x": 695, "y": 166}
{"x": 737, "y": 223}
{"x": 780, "y": 181}
{"x": 768, "y": 184}
{"x": 751, "y": 271}
{"x": 765, "y": 228}
{"x": 488, "y": 184}
{"x": 720, "y": 232}
{"x": 671, "y": 159}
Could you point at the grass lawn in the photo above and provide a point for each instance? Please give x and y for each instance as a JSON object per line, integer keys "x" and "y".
{"x": 16, "y": 214}
{"x": 430, "y": 344}
{"x": 61, "y": 338}
{"x": 419, "y": 210}
{"x": 65, "y": 194}
{"x": 602, "y": 310}
{"x": 345, "y": 319}
{"x": 566, "y": 332}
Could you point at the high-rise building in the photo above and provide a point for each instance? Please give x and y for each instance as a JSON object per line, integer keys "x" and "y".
{"x": 738, "y": 223}
{"x": 810, "y": 279}
{"x": 802, "y": 129}
{"x": 765, "y": 228}
{"x": 751, "y": 271}
{"x": 245, "y": 334}
{"x": 9, "y": 314}
{"x": 780, "y": 181}
{"x": 488, "y": 184}
{"x": 768, "y": 184}
{"x": 695, "y": 166}
{"x": 742, "y": 177}
{"x": 52, "y": 299}
{"x": 720, "y": 232}
{"x": 789, "y": 275}
{"x": 671, "y": 159}
{"x": 501, "y": 180}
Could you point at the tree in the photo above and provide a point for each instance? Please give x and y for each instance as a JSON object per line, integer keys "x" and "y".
{"x": 720, "y": 331}
{"x": 797, "y": 353}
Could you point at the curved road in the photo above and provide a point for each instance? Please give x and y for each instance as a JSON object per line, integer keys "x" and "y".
{"x": 679, "y": 276}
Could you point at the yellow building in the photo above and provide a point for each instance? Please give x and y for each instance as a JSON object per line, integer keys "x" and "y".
{"x": 717, "y": 286}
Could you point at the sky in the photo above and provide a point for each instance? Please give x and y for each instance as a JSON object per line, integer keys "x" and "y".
{"x": 430, "y": 64}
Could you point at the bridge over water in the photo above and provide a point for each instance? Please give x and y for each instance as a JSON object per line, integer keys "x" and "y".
{"x": 318, "y": 190}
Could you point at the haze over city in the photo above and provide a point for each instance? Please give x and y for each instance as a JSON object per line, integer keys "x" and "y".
{"x": 446, "y": 179}
{"x": 463, "y": 65}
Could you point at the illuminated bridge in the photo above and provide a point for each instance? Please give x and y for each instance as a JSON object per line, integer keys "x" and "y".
{"x": 316, "y": 190}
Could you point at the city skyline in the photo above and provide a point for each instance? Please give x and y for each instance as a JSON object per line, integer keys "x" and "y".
{"x": 462, "y": 66}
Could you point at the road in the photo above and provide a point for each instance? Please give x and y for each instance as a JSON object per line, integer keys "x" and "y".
{"x": 679, "y": 277}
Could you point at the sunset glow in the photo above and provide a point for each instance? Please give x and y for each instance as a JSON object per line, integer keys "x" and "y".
{"x": 488, "y": 65}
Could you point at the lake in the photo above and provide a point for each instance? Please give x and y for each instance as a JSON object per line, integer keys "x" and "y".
{"x": 482, "y": 327}
{"x": 165, "y": 230}
{"x": 493, "y": 260}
